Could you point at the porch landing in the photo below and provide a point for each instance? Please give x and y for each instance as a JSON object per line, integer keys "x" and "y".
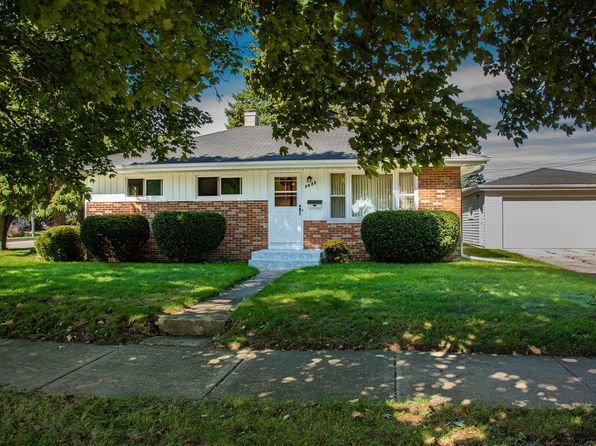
{"x": 285, "y": 259}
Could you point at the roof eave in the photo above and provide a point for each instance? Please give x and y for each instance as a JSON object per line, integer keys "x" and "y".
{"x": 474, "y": 164}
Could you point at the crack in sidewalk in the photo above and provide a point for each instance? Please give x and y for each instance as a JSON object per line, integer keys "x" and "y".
{"x": 75, "y": 370}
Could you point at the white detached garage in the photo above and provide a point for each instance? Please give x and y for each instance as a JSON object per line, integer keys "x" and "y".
{"x": 544, "y": 208}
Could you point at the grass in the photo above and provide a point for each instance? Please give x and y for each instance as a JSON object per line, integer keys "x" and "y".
{"x": 498, "y": 254}
{"x": 35, "y": 418}
{"x": 101, "y": 302}
{"x": 464, "y": 306}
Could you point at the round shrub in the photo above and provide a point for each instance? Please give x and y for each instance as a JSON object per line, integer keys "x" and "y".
{"x": 336, "y": 251}
{"x": 410, "y": 236}
{"x": 115, "y": 237}
{"x": 61, "y": 244}
{"x": 187, "y": 236}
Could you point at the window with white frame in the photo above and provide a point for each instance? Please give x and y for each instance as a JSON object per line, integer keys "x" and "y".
{"x": 140, "y": 187}
{"x": 407, "y": 194}
{"x": 338, "y": 195}
{"x": 218, "y": 186}
{"x": 370, "y": 194}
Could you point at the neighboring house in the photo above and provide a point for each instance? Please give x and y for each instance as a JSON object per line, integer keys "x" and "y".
{"x": 297, "y": 201}
{"x": 544, "y": 208}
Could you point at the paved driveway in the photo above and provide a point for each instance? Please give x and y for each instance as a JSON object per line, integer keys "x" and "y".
{"x": 580, "y": 260}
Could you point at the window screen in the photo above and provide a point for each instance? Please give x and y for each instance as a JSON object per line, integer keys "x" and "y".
{"x": 154, "y": 187}
{"x": 207, "y": 187}
{"x": 231, "y": 186}
{"x": 338, "y": 195}
{"x": 135, "y": 187}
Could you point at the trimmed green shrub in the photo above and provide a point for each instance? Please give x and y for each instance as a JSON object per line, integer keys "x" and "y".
{"x": 187, "y": 236}
{"x": 336, "y": 251}
{"x": 116, "y": 238}
{"x": 410, "y": 236}
{"x": 61, "y": 244}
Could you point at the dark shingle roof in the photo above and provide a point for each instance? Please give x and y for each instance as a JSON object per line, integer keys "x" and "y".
{"x": 257, "y": 144}
{"x": 545, "y": 177}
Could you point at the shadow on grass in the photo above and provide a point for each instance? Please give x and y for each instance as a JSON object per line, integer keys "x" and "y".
{"x": 462, "y": 306}
{"x": 101, "y": 302}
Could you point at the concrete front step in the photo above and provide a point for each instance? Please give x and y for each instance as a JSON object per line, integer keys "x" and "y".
{"x": 189, "y": 324}
{"x": 285, "y": 258}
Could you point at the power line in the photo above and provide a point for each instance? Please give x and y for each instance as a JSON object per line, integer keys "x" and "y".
{"x": 575, "y": 163}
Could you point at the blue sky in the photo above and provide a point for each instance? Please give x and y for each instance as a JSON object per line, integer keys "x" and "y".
{"x": 547, "y": 148}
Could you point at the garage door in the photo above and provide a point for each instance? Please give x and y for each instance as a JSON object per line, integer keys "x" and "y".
{"x": 549, "y": 223}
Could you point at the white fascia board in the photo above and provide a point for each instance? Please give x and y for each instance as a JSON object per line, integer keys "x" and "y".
{"x": 475, "y": 164}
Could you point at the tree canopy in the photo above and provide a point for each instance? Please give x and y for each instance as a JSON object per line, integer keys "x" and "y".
{"x": 80, "y": 80}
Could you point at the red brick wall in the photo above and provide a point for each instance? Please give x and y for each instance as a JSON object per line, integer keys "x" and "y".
{"x": 440, "y": 189}
{"x": 317, "y": 232}
{"x": 246, "y": 223}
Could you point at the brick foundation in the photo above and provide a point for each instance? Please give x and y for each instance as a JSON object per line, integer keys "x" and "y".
{"x": 246, "y": 223}
{"x": 317, "y": 232}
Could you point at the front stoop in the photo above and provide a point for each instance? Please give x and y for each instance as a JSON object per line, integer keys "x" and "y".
{"x": 285, "y": 258}
{"x": 210, "y": 317}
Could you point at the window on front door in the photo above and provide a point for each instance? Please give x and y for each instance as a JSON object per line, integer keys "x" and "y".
{"x": 286, "y": 191}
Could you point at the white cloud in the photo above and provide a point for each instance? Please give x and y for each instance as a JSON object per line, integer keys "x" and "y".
{"x": 548, "y": 148}
{"x": 475, "y": 85}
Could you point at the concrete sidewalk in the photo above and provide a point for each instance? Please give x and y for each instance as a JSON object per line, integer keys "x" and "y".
{"x": 192, "y": 369}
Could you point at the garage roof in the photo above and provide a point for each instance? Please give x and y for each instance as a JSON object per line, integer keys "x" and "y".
{"x": 544, "y": 177}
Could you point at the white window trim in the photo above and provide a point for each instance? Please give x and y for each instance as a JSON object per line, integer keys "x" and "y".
{"x": 349, "y": 173}
{"x": 345, "y": 195}
{"x": 219, "y": 196}
{"x": 144, "y": 197}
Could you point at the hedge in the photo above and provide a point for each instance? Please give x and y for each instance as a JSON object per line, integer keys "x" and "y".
{"x": 61, "y": 244}
{"x": 410, "y": 236}
{"x": 187, "y": 236}
{"x": 115, "y": 237}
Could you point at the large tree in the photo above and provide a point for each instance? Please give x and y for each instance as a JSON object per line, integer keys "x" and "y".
{"x": 80, "y": 79}
{"x": 388, "y": 64}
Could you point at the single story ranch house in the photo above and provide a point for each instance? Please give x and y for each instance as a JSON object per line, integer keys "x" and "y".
{"x": 277, "y": 208}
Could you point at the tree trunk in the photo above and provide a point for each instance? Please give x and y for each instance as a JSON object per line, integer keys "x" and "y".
{"x": 5, "y": 221}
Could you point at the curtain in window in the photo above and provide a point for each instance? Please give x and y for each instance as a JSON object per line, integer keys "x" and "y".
{"x": 406, "y": 191}
{"x": 371, "y": 194}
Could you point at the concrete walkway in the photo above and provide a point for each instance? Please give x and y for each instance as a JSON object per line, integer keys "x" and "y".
{"x": 191, "y": 369}
{"x": 209, "y": 317}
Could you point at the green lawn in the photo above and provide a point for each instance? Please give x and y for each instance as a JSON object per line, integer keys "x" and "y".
{"x": 35, "y": 418}
{"x": 100, "y": 302}
{"x": 459, "y": 306}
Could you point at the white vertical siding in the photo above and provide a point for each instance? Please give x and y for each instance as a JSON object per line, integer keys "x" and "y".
{"x": 471, "y": 219}
{"x": 493, "y": 221}
{"x": 182, "y": 186}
